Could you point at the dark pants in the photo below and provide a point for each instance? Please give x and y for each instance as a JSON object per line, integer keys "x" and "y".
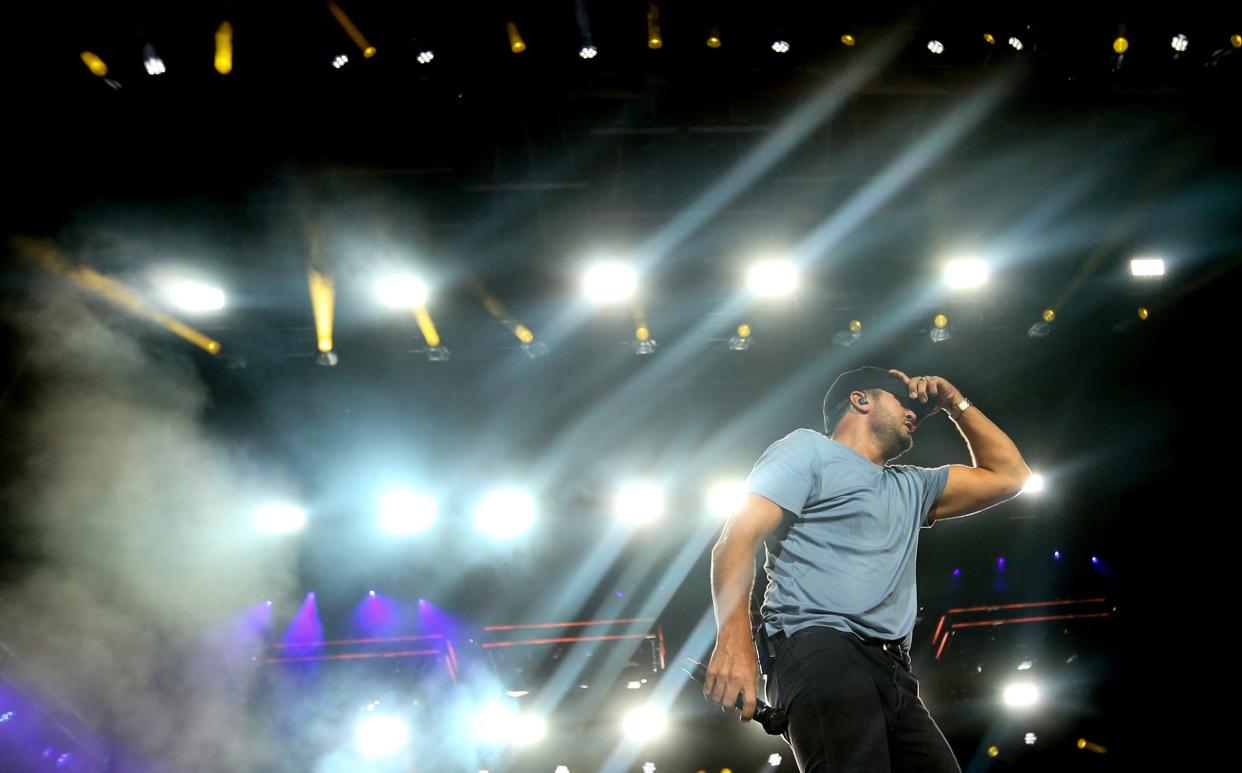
{"x": 853, "y": 706}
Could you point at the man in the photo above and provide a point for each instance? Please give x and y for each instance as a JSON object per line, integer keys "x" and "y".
{"x": 840, "y": 526}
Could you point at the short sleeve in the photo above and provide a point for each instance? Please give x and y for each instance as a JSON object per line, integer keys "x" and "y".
{"x": 933, "y": 481}
{"x": 788, "y": 472}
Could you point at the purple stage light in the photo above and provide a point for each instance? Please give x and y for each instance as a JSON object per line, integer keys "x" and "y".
{"x": 957, "y": 572}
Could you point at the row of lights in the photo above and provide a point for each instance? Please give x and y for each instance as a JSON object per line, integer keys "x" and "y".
{"x": 610, "y": 281}
{"x": 510, "y": 512}
{"x": 1121, "y": 44}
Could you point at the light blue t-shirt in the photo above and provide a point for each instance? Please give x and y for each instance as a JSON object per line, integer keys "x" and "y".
{"x": 846, "y": 558}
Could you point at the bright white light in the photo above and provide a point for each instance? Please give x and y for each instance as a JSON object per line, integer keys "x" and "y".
{"x": 1030, "y": 739}
{"x": 774, "y": 760}
{"x": 1147, "y": 267}
{"x": 505, "y": 513}
{"x": 1034, "y": 484}
{"x": 966, "y": 274}
{"x": 561, "y": 769}
{"x": 382, "y": 736}
{"x": 935, "y": 46}
{"x": 634, "y": 685}
{"x": 609, "y": 282}
{"x": 340, "y": 61}
{"x": 726, "y": 498}
{"x": 193, "y": 297}
{"x": 1180, "y": 43}
{"x": 280, "y": 519}
{"x": 402, "y": 292}
{"x": 1025, "y": 665}
{"x": 496, "y": 723}
{"x": 1021, "y": 695}
{"x": 646, "y": 723}
{"x": 649, "y": 767}
{"x": 407, "y": 512}
{"x": 639, "y": 503}
{"x": 773, "y": 278}
{"x": 1017, "y": 44}
{"x": 780, "y": 46}
{"x": 154, "y": 65}
{"x": 588, "y": 52}
{"x": 425, "y": 56}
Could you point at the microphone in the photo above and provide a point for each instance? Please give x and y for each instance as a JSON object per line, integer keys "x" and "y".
{"x": 774, "y": 720}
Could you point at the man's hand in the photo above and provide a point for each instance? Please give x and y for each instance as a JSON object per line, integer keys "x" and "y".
{"x": 934, "y": 389}
{"x": 733, "y": 669}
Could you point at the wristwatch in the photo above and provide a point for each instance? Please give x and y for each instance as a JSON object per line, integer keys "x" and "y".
{"x": 961, "y": 407}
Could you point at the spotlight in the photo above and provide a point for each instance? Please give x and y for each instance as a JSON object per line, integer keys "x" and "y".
{"x": 152, "y": 61}
{"x": 935, "y": 46}
{"x": 588, "y": 52}
{"x": 340, "y": 61}
{"x": 639, "y": 503}
{"x": 327, "y": 359}
{"x": 1121, "y": 45}
{"x": 94, "y": 64}
{"x": 407, "y": 512}
{"x": 989, "y": 39}
{"x": 726, "y": 498}
{"x": 505, "y": 513}
{"x": 526, "y": 729}
{"x": 402, "y": 292}
{"x": 380, "y": 737}
{"x": 438, "y": 354}
{"x": 1025, "y": 665}
{"x": 425, "y": 57}
{"x": 535, "y": 349}
{"x": 780, "y": 46}
{"x": 1030, "y": 739}
{"x": 850, "y": 336}
{"x": 1034, "y": 484}
{"x": 1017, "y": 44}
{"x": 940, "y": 329}
{"x": 713, "y": 41}
{"x": 773, "y": 278}
{"x": 1147, "y": 268}
{"x": 516, "y": 44}
{"x": 280, "y": 519}
{"x": 774, "y": 760}
{"x": 1056, "y": 554}
{"x": 645, "y": 723}
{"x": 643, "y": 343}
{"x": 655, "y": 40}
{"x": 191, "y": 296}
{"x": 224, "y": 48}
{"x": 609, "y": 282}
{"x": 848, "y": 40}
{"x": 1021, "y": 695}
{"x": 966, "y": 273}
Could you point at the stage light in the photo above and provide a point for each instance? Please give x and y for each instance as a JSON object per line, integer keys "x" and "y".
{"x": 1143, "y": 313}
{"x": 323, "y": 304}
{"x": 989, "y": 39}
{"x": 774, "y": 760}
{"x": 505, "y": 513}
{"x": 1095, "y": 560}
{"x": 1147, "y": 268}
{"x": 713, "y": 41}
{"x": 499, "y": 723}
{"x": 407, "y": 512}
{"x": 94, "y": 64}
{"x": 957, "y": 572}
{"x": 726, "y": 498}
{"x": 224, "y": 48}
{"x": 993, "y": 751}
{"x": 380, "y": 737}
{"x": 1030, "y": 739}
{"x": 966, "y": 273}
{"x": 1025, "y": 665}
{"x": 280, "y": 519}
{"x": 425, "y": 57}
{"x": 351, "y": 29}
{"x": 780, "y": 46}
{"x": 1056, "y": 554}
{"x": 340, "y": 61}
{"x": 645, "y": 723}
{"x": 516, "y": 44}
{"x": 526, "y": 729}
{"x": 741, "y": 341}
{"x": 609, "y": 282}
{"x": 1121, "y": 45}
{"x": 773, "y": 278}
{"x": 1034, "y": 484}
{"x": 649, "y": 767}
{"x": 1235, "y": 41}
{"x": 940, "y": 329}
{"x": 402, "y": 292}
{"x": 588, "y": 52}
{"x": 1180, "y": 43}
{"x": 935, "y": 46}
{"x": 1021, "y": 695}
{"x": 848, "y": 40}
{"x": 638, "y": 503}
{"x": 191, "y": 296}
{"x": 151, "y": 60}
{"x": 1017, "y": 44}
{"x": 634, "y": 685}
{"x": 561, "y": 769}
{"x": 655, "y": 40}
